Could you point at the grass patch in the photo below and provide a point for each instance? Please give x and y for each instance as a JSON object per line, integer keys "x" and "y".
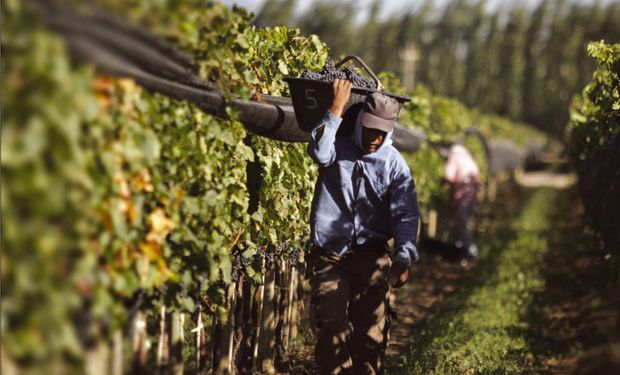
{"x": 482, "y": 328}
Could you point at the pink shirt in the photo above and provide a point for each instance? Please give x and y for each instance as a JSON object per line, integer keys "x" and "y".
{"x": 460, "y": 166}
{"x": 462, "y": 172}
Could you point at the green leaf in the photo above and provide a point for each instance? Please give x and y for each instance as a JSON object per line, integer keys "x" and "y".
{"x": 257, "y": 216}
{"x": 242, "y": 41}
{"x": 150, "y": 146}
{"x": 283, "y": 68}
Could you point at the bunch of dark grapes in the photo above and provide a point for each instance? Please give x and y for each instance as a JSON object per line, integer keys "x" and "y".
{"x": 283, "y": 248}
{"x": 330, "y": 73}
{"x": 288, "y": 251}
{"x": 270, "y": 257}
{"x": 240, "y": 265}
{"x": 294, "y": 255}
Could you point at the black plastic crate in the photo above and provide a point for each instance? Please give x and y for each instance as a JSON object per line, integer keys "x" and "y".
{"x": 312, "y": 98}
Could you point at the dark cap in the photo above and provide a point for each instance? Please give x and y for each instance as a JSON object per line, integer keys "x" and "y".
{"x": 380, "y": 112}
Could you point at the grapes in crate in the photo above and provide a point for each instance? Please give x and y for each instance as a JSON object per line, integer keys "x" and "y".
{"x": 330, "y": 73}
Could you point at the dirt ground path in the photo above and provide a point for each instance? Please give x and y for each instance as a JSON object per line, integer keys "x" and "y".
{"x": 432, "y": 281}
{"x": 544, "y": 178}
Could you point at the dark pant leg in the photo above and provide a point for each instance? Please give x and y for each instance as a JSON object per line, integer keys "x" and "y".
{"x": 464, "y": 211}
{"x": 368, "y": 313}
{"x": 331, "y": 293}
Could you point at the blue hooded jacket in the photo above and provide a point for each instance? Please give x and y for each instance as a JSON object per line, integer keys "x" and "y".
{"x": 361, "y": 198}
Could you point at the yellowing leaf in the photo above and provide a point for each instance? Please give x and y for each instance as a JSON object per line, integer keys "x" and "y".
{"x": 153, "y": 251}
{"x": 159, "y": 226}
{"x": 132, "y": 213}
{"x": 128, "y": 85}
{"x": 142, "y": 182}
{"x": 123, "y": 186}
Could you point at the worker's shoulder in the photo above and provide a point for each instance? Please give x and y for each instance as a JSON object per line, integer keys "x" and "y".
{"x": 395, "y": 157}
{"x": 395, "y": 162}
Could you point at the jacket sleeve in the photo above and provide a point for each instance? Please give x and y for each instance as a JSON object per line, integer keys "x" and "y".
{"x": 404, "y": 215}
{"x": 321, "y": 146}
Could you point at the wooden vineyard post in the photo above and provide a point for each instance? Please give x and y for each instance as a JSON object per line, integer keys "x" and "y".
{"x": 303, "y": 286}
{"x": 223, "y": 358}
{"x": 258, "y": 308}
{"x": 432, "y": 224}
{"x": 281, "y": 316}
{"x": 238, "y": 324}
{"x": 287, "y": 295}
{"x": 230, "y": 324}
{"x": 292, "y": 307}
{"x": 216, "y": 336}
{"x": 117, "y": 353}
{"x": 162, "y": 346}
{"x": 97, "y": 359}
{"x": 248, "y": 328}
{"x": 175, "y": 359}
{"x": 8, "y": 367}
{"x": 201, "y": 350}
{"x": 139, "y": 344}
{"x": 266, "y": 339}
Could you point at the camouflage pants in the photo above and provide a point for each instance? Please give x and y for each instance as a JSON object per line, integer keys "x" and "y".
{"x": 349, "y": 297}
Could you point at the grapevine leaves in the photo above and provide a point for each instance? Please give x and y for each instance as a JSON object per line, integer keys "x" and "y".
{"x": 596, "y": 114}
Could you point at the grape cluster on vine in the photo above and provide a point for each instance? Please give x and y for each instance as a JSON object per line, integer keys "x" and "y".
{"x": 240, "y": 265}
{"x": 270, "y": 257}
{"x": 294, "y": 255}
{"x": 330, "y": 73}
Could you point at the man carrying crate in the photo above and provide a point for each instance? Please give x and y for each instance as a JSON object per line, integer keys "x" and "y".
{"x": 364, "y": 196}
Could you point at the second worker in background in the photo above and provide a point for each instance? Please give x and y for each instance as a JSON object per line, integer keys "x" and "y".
{"x": 364, "y": 196}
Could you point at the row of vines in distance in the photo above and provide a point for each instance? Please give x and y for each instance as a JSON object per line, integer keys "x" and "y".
{"x": 119, "y": 203}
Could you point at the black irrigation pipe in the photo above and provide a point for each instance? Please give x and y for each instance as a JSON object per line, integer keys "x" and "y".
{"x": 276, "y": 122}
{"x": 122, "y": 49}
{"x": 137, "y": 45}
{"x": 505, "y": 156}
